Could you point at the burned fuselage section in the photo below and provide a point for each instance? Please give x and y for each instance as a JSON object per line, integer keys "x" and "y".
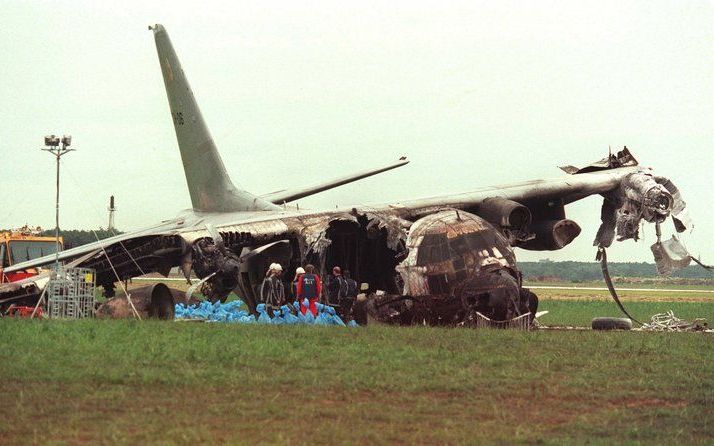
{"x": 458, "y": 265}
{"x": 441, "y": 268}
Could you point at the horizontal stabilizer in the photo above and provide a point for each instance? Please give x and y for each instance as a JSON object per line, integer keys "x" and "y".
{"x": 286, "y": 196}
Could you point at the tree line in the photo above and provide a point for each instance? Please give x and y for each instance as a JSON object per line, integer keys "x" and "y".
{"x": 589, "y": 271}
{"x": 78, "y": 237}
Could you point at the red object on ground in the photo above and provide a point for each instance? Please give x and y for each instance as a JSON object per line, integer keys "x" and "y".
{"x": 313, "y": 307}
{"x": 21, "y": 311}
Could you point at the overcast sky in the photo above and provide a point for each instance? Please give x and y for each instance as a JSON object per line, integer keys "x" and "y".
{"x": 475, "y": 93}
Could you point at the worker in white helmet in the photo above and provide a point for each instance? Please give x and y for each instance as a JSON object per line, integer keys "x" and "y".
{"x": 272, "y": 292}
{"x": 293, "y": 286}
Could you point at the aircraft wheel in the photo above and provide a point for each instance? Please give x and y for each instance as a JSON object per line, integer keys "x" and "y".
{"x": 611, "y": 323}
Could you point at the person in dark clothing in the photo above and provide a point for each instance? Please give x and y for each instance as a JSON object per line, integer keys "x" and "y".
{"x": 309, "y": 287}
{"x": 352, "y": 288}
{"x": 337, "y": 287}
{"x": 350, "y": 296}
{"x": 293, "y": 286}
{"x": 272, "y": 291}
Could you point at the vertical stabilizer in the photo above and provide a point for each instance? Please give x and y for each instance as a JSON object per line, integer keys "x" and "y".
{"x": 208, "y": 183}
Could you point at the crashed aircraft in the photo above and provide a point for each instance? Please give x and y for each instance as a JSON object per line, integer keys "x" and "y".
{"x": 437, "y": 260}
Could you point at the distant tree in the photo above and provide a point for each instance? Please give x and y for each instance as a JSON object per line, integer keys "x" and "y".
{"x": 78, "y": 237}
{"x": 588, "y": 271}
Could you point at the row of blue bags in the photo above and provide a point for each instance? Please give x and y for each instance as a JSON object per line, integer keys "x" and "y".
{"x": 236, "y": 312}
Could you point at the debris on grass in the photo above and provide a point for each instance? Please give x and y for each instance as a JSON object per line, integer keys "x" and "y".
{"x": 236, "y": 312}
{"x": 669, "y": 322}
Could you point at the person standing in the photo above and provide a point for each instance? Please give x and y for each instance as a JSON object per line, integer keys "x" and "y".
{"x": 309, "y": 287}
{"x": 337, "y": 288}
{"x": 272, "y": 291}
{"x": 293, "y": 286}
{"x": 352, "y": 288}
{"x": 348, "y": 300}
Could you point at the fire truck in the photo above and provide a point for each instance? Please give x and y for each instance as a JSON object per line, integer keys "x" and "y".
{"x": 21, "y": 245}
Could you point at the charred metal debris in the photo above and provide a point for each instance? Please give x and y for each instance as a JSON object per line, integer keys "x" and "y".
{"x": 642, "y": 196}
{"x": 440, "y": 269}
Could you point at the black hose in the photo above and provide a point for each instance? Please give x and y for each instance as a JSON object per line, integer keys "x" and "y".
{"x": 708, "y": 267}
{"x": 602, "y": 256}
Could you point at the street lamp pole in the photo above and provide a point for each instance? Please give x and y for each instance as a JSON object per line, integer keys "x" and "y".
{"x": 52, "y": 143}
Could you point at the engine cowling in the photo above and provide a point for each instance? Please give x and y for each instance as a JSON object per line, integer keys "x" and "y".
{"x": 505, "y": 213}
{"x": 551, "y": 235}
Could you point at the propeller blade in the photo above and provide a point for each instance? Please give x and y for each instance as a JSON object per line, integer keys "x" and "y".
{"x": 262, "y": 249}
{"x": 216, "y": 236}
{"x": 195, "y": 286}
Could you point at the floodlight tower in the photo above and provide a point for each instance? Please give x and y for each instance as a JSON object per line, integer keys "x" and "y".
{"x": 52, "y": 144}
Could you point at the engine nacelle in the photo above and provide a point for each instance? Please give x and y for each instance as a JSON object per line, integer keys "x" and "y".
{"x": 551, "y": 235}
{"x": 505, "y": 213}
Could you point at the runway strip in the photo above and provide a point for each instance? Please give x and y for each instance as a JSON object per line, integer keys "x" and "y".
{"x": 656, "y": 290}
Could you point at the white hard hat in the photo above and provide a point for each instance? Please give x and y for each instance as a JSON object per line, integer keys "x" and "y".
{"x": 276, "y": 267}
{"x": 300, "y": 270}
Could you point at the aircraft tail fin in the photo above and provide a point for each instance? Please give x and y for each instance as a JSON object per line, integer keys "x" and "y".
{"x": 210, "y": 186}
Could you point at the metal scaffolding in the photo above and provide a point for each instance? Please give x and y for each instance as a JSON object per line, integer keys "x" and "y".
{"x": 70, "y": 294}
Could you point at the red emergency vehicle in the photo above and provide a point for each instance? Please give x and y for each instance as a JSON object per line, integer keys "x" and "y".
{"x": 21, "y": 245}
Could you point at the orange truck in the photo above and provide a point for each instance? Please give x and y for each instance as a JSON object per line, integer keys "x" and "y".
{"x": 21, "y": 245}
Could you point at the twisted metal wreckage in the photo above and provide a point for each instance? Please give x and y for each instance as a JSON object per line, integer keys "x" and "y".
{"x": 438, "y": 260}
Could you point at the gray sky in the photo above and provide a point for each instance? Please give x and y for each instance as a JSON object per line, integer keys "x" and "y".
{"x": 476, "y": 93}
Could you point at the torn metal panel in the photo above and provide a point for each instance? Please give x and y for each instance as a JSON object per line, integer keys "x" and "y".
{"x": 623, "y": 158}
{"x": 314, "y": 231}
{"x": 670, "y": 255}
{"x": 641, "y": 196}
{"x": 396, "y": 228}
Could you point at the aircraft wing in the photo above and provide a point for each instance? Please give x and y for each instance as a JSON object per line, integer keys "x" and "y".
{"x": 541, "y": 200}
{"x": 287, "y": 196}
{"x": 122, "y": 256}
{"x": 532, "y": 212}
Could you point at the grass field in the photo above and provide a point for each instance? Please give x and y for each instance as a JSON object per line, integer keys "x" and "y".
{"x": 128, "y": 382}
{"x": 152, "y": 382}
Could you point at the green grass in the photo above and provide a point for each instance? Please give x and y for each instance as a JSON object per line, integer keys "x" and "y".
{"x": 132, "y": 382}
{"x": 581, "y": 312}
